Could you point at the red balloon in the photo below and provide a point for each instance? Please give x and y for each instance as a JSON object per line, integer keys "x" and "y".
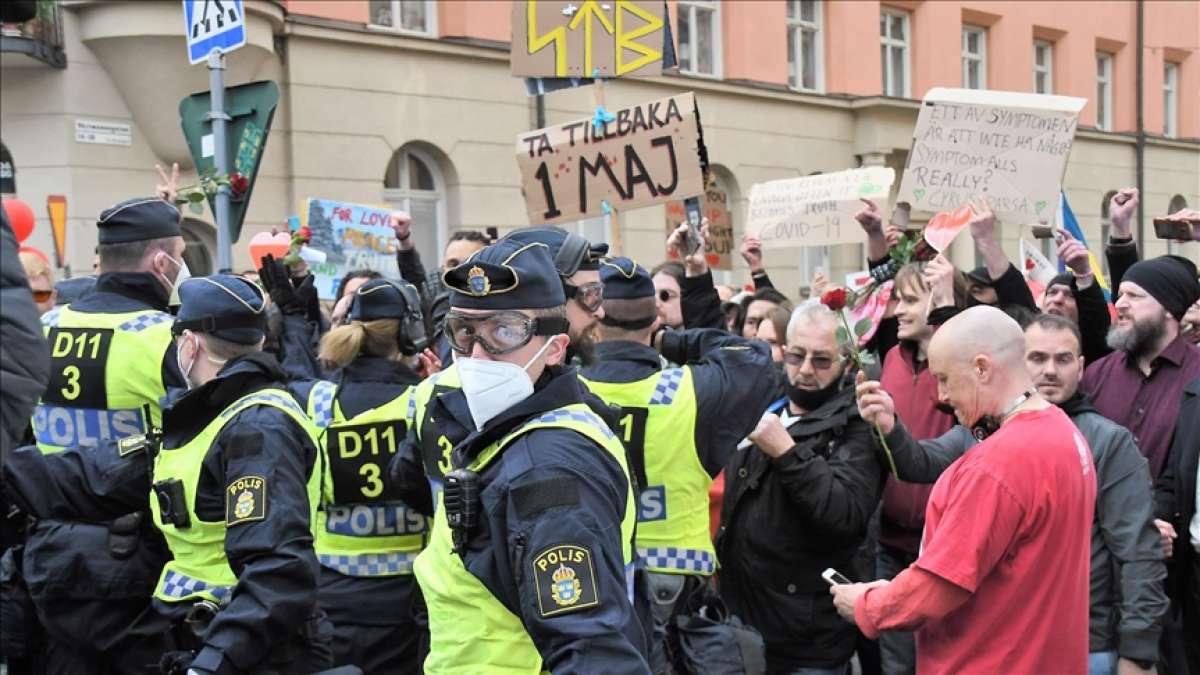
{"x": 20, "y": 216}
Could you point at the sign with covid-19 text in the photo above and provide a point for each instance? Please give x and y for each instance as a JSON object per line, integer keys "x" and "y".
{"x": 587, "y": 38}
{"x": 641, "y": 155}
{"x": 352, "y": 237}
{"x": 815, "y": 210}
{"x": 1009, "y": 147}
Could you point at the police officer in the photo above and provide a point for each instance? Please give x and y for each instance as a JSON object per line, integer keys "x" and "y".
{"x": 112, "y": 359}
{"x": 529, "y": 561}
{"x": 679, "y": 426}
{"x": 232, "y": 483}
{"x": 578, "y": 264}
{"x": 366, "y": 537}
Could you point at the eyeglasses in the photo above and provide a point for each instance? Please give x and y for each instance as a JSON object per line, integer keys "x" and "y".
{"x": 498, "y": 333}
{"x": 43, "y": 296}
{"x": 819, "y": 361}
{"x": 666, "y": 296}
{"x": 590, "y": 295}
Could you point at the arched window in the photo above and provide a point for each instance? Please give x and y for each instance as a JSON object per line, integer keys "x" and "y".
{"x": 1105, "y": 227}
{"x": 414, "y": 183}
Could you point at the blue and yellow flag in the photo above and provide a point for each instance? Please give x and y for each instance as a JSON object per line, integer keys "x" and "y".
{"x": 1068, "y": 222}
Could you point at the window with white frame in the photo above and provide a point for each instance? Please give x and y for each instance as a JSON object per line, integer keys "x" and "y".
{"x": 1104, "y": 73}
{"x": 413, "y": 183}
{"x": 974, "y": 57}
{"x": 805, "y": 70}
{"x": 1043, "y": 67}
{"x": 408, "y": 16}
{"x": 700, "y": 37}
{"x": 1170, "y": 99}
{"x": 893, "y": 52}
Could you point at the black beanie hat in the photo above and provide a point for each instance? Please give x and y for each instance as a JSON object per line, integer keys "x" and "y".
{"x": 1169, "y": 279}
{"x": 1061, "y": 279}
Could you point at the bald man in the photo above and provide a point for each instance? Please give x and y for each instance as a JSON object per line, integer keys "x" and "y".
{"x": 1001, "y": 584}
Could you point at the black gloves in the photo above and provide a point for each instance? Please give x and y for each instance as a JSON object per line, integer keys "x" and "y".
{"x": 293, "y": 296}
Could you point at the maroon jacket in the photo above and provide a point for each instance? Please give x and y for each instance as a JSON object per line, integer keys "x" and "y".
{"x": 914, "y": 390}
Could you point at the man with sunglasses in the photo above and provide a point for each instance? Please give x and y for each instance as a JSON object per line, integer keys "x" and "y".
{"x": 112, "y": 359}
{"x": 798, "y": 501}
{"x": 530, "y": 561}
{"x": 577, "y": 264}
{"x": 679, "y": 426}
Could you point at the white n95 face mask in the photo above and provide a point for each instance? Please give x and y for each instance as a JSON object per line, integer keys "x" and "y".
{"x": 491, "y": 387}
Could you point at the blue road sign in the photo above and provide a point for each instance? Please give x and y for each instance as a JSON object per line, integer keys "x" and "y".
{"x": 213, "y": 25}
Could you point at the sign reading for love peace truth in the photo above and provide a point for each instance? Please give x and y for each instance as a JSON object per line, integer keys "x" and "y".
{"x": 645, "y": 154}
{"x": 1010, "y": 147}
{"x": 586, "y": 37}
{"x": 815, "y": 210}
{"x": 352, "y": 237}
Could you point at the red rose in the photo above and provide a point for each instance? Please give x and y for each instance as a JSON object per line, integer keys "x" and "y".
{"x": 304, "y": 234}
{"x": 239, "y": 184}
{"x": 835, "y": 299}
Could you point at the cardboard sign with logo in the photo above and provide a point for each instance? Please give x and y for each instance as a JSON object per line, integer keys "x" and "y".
{"x": 646, "y": 154}
{"x": 352, "y": 237}
{"x": 815, "y": 210}
{"x": 718, "y": 251}
{"x": 1010, "y": 147}
{"x": 587, "y": 38}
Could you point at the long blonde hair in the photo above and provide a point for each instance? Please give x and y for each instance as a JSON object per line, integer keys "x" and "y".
{"x": 343, "y": 344}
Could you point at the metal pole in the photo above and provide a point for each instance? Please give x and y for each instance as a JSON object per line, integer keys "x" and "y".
{"x": 219, "y": 118}
{"x": 1140, "y": 148}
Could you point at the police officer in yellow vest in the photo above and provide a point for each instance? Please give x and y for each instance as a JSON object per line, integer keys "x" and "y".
{"x": 578, "y": 264}
{"x": 679, "y": 426}
{"x": 232, "y": 482}
{"x": 112, "y": 359}
{"x": 366, "y": 536}
{"x": 529, "y": 562}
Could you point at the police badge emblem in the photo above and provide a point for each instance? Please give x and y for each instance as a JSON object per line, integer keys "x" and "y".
{"x": 566, "y": 588}
{"x": 477, "y": 281}
{"x": 245, "y": 505}
{"x": 565, "y": 579}
{"x": 245, "y": 500}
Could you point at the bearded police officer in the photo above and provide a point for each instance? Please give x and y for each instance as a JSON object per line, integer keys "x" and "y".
{"x": 111, "y": 361}
{"x": 232, "y": 482}
{"x": 529, "y": 563}
{"x": 679, "y": 426}
{"x": 578, "y": 264}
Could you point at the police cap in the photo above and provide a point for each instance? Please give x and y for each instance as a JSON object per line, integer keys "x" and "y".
{"x": 570, "y": 252}
{"x": 509, "y": 274}
{"x": 384, "y": 299}
{"x": 139, "y": 219}
{"x": 224, "y": 306}
{"x": 624, "y": 279}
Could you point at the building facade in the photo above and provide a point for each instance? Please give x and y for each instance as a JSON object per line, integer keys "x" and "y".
{"x": 411, "y": 103}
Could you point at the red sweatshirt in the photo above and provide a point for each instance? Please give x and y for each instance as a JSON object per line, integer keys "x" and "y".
{"x": 914, "y": 390}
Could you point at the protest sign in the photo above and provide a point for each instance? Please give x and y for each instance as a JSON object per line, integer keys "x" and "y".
{"x": 645, "y": 154}
{"x": 588, "y": 39}
{"x": 1035, "y": 265}
{"x": 352, "y": 237}
{"x": 1010, "y": 147}
{"x": 718, "y": 251}
{"x": 815, "y": 210}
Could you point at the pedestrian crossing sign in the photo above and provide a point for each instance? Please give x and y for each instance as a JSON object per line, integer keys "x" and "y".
{"x": 213, "y": 25}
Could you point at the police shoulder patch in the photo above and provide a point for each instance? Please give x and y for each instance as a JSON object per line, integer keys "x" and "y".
{"x": 131, "y": 444}
{"x": 245, "y": 500}
{"x": 565, "y": 579}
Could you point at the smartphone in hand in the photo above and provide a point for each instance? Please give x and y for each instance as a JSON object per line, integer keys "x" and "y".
{"x": 834, "y": 577}
{"x": 1177, "y": 229}
{"x": 691, "y": 242}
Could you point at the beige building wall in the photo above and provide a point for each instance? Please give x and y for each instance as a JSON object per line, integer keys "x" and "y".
{"x": 352, "y": 97}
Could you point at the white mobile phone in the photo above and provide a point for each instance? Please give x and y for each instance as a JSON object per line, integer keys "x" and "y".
{"x": 834, "y": 577}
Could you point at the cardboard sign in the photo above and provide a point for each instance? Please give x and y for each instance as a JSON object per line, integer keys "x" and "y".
{"x": 587, "y": 38}
{"x": 647, "y": 154}
{"x": 1010, "y": 147}
{"x": 352, "y": 237}
{"x": 815, "y": 210}
{"x": 718, "y": 251}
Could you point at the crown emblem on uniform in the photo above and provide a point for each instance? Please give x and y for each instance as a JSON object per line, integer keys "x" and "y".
{"x": 245, "y": 505}
{"x": 566, "y": 588}
{"x": 477, "y": 281}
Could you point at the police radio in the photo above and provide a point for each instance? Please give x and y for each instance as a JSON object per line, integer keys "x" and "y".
{"x": 460, "y": 497}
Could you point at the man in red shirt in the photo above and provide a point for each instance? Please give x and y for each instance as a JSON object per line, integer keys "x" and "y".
{"x": 1001, "y": 584}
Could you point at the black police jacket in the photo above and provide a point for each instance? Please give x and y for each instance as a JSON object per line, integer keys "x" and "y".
{"x": 785, "y": 520}
{"x": 273, "y": 558}
{"x": 547, "y": 488}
